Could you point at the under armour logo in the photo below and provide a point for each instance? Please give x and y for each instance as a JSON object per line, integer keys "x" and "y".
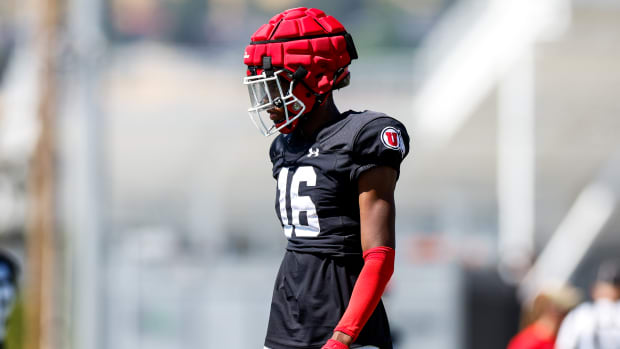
{"x": 313, "y": 152}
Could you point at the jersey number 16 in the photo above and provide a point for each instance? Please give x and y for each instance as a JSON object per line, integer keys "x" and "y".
{"x": 297, "y": 204}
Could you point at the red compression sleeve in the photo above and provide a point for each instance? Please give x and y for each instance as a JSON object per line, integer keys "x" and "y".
{"x": 377, "y": 270}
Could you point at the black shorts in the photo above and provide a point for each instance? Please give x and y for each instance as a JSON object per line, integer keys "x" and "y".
{"x": 310, "y": 296}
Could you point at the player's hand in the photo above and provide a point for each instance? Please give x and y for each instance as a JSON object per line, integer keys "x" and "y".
{"x": 334, "y": 344}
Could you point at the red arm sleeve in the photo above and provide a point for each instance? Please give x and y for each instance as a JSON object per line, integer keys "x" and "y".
{"x": 376, "y": 272}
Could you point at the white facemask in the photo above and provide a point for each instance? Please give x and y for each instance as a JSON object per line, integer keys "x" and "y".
{"x": 269, "y": 92}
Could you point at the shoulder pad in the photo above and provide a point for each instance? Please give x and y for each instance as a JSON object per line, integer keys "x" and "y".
{"x": 344, "y": 133}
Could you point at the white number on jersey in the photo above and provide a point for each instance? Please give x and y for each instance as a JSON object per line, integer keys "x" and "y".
{"x": 298, "y": 203}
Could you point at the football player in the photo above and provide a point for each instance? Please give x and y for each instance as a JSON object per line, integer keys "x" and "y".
{"x": 335, "y": 173}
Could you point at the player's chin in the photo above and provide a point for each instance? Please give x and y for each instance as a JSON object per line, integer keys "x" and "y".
{"x": 279, "y": 123}
{"x": 277, "y": 118}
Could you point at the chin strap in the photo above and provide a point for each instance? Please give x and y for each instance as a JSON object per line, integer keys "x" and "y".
{"x": 267, "y": 67}
{"x": 377, "y": 270}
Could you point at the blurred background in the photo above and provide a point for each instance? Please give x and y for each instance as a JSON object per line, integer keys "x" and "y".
{"x": 136, "y": 195}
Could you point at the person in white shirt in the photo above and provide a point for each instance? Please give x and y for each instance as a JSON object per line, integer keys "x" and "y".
{"x": 596, "y": 324}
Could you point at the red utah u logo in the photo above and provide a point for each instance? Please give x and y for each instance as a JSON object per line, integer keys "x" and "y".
{"x": 391, "y": 137}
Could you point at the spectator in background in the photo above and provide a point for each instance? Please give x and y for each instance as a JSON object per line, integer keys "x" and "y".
{"x": 596, "y": 324}
{"x": 548, "y": 310}
{"x": 8, "y": 287}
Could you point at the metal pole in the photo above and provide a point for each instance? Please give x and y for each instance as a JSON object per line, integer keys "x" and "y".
{"x": 81, "y": 182}
{"x": 515, "y": 169}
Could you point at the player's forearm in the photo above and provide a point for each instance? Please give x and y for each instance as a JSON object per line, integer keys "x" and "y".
{"x": 367, "y": 292}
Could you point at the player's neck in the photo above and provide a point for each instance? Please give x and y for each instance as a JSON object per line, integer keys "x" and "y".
{"x": 318, "y": 118}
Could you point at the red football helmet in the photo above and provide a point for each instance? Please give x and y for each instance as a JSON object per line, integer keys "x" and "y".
{"x": 295, "y": 61}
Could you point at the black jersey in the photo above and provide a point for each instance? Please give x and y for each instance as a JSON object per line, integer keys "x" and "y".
{"x": 317, "y": 204}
